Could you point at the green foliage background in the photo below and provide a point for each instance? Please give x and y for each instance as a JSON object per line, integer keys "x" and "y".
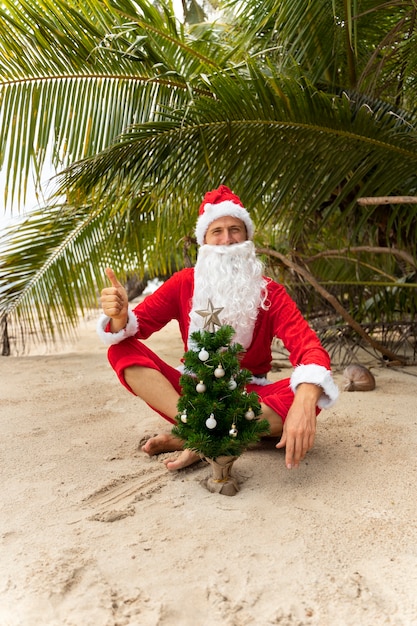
{"x": 302, "y": 108}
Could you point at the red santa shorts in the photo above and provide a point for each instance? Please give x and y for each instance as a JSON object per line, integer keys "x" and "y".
{"x": 131, "y": 352}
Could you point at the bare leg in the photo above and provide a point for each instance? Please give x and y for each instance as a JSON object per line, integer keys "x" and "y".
{"x": 156, "y": 390}
{"x": 275, "y": 421}
{"x": 152, "y": 387}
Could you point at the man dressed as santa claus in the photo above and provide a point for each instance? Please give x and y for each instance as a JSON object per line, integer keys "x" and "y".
{"x": 229, "y": 276}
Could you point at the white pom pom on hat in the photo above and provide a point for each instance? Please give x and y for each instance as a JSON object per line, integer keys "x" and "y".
{"x": 221, "y": 202}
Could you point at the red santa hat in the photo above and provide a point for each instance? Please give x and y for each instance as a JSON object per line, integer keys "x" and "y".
{"x": 221, "y": 202}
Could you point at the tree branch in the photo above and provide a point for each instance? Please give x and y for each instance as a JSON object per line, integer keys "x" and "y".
{"x": 401, "y": 254}
{"x": 387, "y": 200}
{"x": 334, "y": 302}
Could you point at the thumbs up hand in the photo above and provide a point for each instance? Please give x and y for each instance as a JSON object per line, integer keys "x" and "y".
{"x": 114, "y": 302}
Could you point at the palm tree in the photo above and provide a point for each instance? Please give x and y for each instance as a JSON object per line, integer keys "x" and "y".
{"x": 302, "y": 117}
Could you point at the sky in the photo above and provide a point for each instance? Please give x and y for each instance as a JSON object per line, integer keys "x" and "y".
{"x": 12, "y": 213}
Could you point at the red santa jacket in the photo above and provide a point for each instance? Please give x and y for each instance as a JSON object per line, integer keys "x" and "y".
{"x": 281, "y": 320}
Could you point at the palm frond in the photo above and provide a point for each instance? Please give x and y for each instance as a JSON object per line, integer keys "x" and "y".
{"x": 53, "y": 267}
{"x": 74, "y": 76}
{"x": 278, "y": 101}
{"x": 366, "y": 46}
{"x": 257, "y": 138}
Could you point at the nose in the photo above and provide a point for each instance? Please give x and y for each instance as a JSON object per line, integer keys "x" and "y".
{"x": 228, "y": 237}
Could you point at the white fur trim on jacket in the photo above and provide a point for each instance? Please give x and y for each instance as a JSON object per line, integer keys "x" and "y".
{"x": 108, "y": 338}
{"x": 262, "y": 382}
{"x": 320, "y": 376}
{"x": 212, "y": 212}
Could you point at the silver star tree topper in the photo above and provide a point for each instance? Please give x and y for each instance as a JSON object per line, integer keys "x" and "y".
{"x": 211, "y": 315}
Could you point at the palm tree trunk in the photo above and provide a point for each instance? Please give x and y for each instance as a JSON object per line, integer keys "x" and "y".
{"x": 4, "y": 337}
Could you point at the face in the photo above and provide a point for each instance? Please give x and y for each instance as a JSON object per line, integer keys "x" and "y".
{"x": 225, "y": 231}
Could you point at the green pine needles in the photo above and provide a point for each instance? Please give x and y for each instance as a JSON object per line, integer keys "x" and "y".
{"x": 217, "y": 417}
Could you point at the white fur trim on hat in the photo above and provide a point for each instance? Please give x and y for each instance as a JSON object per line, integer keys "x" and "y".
{"x": 222, "y": 209}
{"x": 318, "y": 375}
{"x": 109, "y": 338}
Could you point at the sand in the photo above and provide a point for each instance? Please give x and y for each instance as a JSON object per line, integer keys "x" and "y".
{"x": 96, "y": 533}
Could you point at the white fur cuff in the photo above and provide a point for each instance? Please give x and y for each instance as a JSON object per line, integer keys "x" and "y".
{"x": 108, "y": 338}
{"x": 318, "y": 375}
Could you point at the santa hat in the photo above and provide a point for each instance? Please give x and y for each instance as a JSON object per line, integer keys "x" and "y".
{"x": 221, "y": 202}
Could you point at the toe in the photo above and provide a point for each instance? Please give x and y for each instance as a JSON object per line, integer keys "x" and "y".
{"x": 186, "y": 458}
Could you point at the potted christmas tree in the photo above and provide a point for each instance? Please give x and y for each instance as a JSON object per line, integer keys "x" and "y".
{"x": 217, "y": 418}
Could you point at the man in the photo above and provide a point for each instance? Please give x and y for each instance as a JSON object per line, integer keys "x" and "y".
{"x": 229, "y": 275}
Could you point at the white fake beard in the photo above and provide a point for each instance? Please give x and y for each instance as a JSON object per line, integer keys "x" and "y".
{"x": 231, "y": 278}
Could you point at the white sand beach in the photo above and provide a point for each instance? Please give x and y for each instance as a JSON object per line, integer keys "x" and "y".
{"x": 96, "y": 533}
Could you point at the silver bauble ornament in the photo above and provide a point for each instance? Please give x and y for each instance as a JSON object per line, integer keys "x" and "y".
{"x": 200, "y": 387}
{"x": 203, "y": 355}
{"x": 250, "y": 415}
{"x": 211, "y": 422}
{"x": 184, "y": 417}
{"x": 232, "y": 384}
{"x": 219, "y": 372}
{"x": 233, "y": 431}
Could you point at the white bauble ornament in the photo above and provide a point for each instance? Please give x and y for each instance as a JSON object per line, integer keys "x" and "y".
{"x": 250, "y": 415}
{"x": 184, "y": 417}
{"x": 232, "y": 384}
{"x": 211, "y": 422}
{"x": 200, "y": 387}
{"x": 219, "y": 372}
{"x": 203, "y": 355}
{"x": 233, "y": 431}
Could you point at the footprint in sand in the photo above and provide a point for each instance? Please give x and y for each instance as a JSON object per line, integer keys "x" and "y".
{"x": 116, "y": 500}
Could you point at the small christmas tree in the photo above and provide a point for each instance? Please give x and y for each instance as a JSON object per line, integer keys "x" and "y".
{"x": 217, "y": 418}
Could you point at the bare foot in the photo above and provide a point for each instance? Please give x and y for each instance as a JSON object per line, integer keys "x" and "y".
{"x": 168, "y": 443}
{"x": 162, "y": 443}
{"x": 186, "y": 458}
